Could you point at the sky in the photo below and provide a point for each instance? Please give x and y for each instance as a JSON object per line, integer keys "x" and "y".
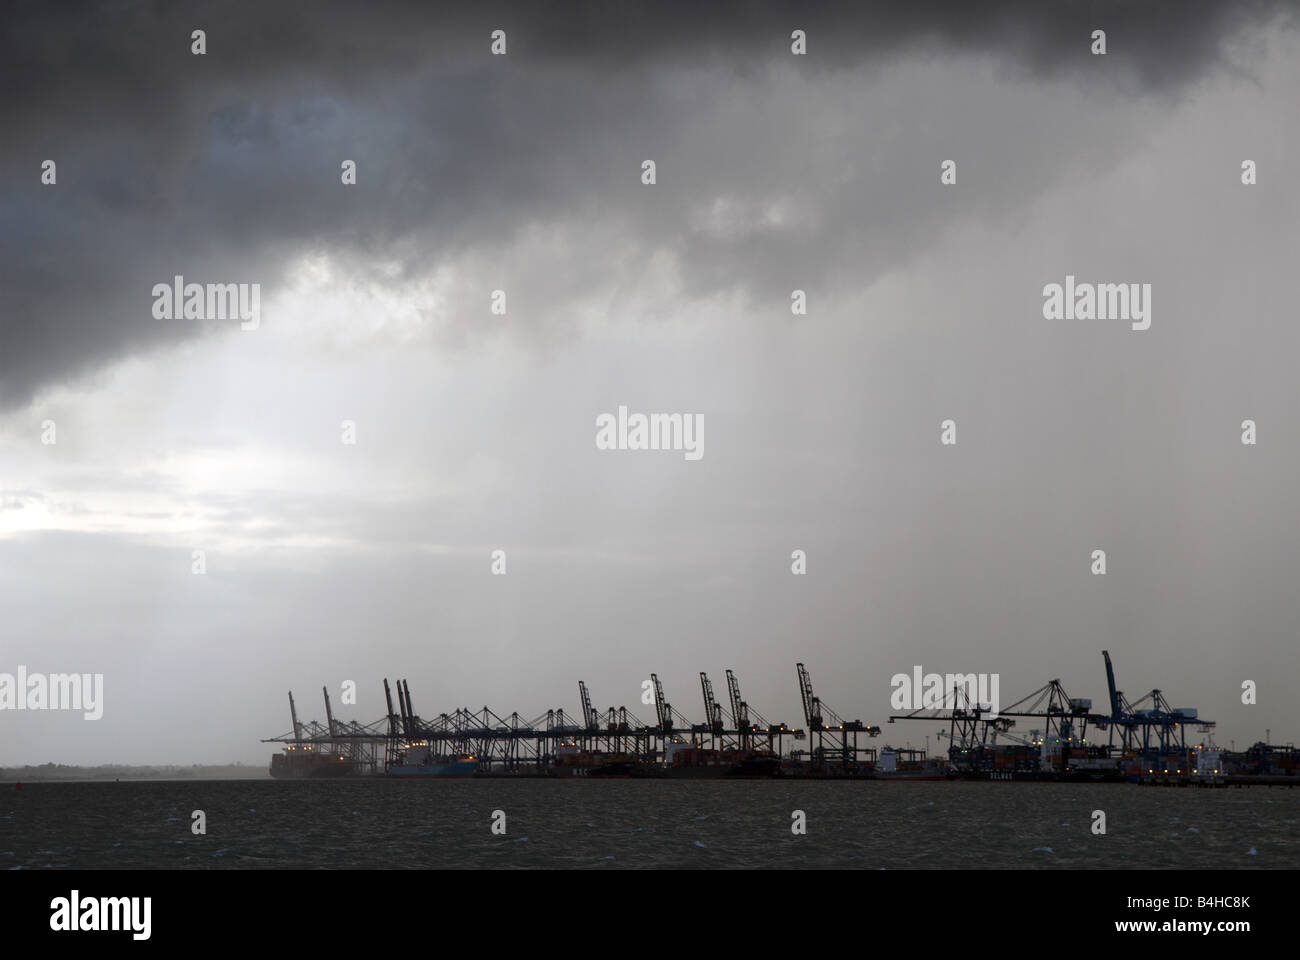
{"x": 474, "y": 431}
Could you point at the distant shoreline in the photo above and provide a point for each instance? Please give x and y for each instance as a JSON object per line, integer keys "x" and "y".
{"x": 47, "y": 773}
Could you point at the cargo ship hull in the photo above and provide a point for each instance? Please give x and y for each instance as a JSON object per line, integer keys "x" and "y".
{"x": 686, "y": 762}
{"x": 308, "y": 766}
{"x": 419, "y": 760}
{"x": 925, "y": 775}
{"x": 456, "y": 768}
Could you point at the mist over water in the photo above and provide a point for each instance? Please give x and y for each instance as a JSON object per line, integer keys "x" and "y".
{"x": 380, "y": 824}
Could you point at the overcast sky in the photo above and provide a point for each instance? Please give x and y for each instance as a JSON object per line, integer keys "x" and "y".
{"x": 475, "y": 432}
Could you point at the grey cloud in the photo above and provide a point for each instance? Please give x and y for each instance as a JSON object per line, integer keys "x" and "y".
{"x": 224, "y": 167}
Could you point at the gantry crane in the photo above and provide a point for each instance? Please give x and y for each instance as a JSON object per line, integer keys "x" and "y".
{"x": 663, "y": 709}
{"x": 751, "y": 725}
{"x": 969, "y": 727}
{"x": 824, "y": 723}
{"x": 739, "y": 711}
{"x": 293, "y": 712}
{"x": 713, "y": 725}
{"x": 329, "y": 713}
{"x": 1154, "y": 730}
{"x": 589, "y": 716}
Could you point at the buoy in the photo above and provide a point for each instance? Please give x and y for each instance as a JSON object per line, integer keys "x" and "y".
{"x": 18, "y": 786}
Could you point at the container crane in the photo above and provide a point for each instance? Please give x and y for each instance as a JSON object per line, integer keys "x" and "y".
{"x": 663, "y": 709}
{"x": 293, "y": 712}
{"x": 329, "y": 713}
{"x": 739, "y": 711}
{"x": 824, "y": 723}
{"x": 1150, "y": 725}
{"x": 713, "y": 726}
{"x": 750, "y": 724}
{"x": 589, "y": 716}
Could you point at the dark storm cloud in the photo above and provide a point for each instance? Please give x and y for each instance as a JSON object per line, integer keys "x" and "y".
{"x": 223, "y": 167}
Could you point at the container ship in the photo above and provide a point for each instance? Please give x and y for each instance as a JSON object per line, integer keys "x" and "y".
{"x": 571, "y": 760}
{"x": 1263, "y": 764}
{"x": 682, "y": 760}
{"x": 299, "y": 761}
{"x": 1044, "y": 758}
{"x": 308, "y": 755}
{"x": 687, "y": 761}
{"x": 419, "y": 760}
{"x": 907, "y": 764}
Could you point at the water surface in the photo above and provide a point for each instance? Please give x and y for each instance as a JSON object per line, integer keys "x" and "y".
{"x": 633, "y": 824}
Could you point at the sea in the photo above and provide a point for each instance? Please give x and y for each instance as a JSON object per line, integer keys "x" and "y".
{"x": 642, "y": 824}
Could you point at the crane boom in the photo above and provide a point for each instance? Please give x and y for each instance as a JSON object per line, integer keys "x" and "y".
{"x": 707, "y": 688}
{"x": 712, "y": 709}
{"x": 663, "y": 709}
{"x": 1115, "y": 712}
{"x": 812, "y": 713}
{"x": 408, "y": 712}
{"x": 589, "y": 715}
{"x": 739, "y": 710}
{"x": 392, "y": 717}
{"x": 329, "y": 714}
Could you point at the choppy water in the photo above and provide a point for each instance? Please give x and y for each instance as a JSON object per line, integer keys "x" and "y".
{"x": 642, "y": 824}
